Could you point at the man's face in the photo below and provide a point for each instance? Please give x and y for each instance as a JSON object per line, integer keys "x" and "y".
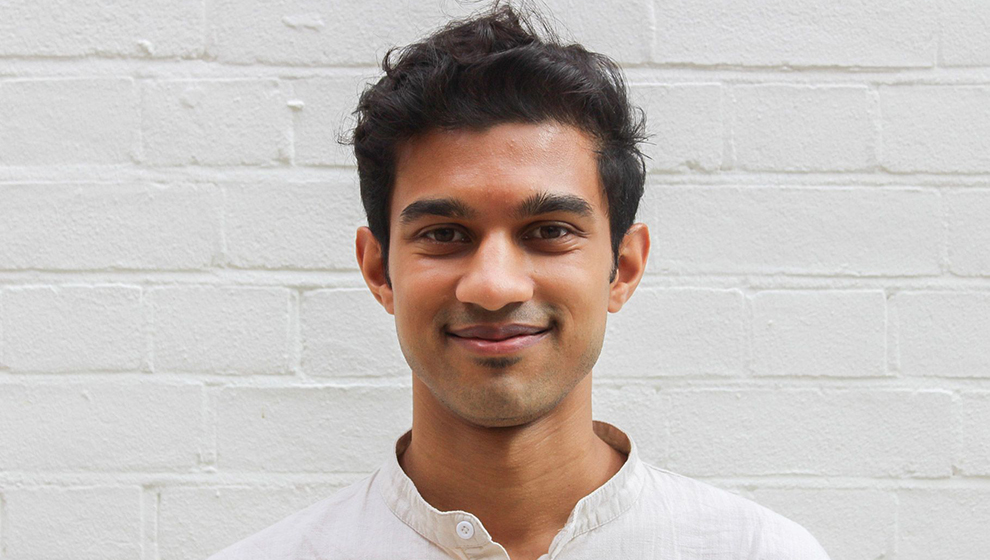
{"x": 500, "y": 259}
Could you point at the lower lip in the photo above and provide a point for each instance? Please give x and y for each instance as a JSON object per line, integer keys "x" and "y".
{"x": 507, "y": 346}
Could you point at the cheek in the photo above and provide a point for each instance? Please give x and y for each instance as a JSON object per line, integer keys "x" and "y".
{"x": 582, "y": 296}
{"x": 420, "y": 296}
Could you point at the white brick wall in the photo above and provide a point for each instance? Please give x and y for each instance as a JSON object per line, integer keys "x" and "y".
{"x": 188, "y": 353}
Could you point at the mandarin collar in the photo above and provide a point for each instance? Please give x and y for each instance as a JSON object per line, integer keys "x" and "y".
{"x": 462, "y": 531}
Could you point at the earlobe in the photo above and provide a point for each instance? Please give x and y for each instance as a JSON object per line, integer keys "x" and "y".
{"x": 633, "y": 253}
{"x": 369, "y": 258}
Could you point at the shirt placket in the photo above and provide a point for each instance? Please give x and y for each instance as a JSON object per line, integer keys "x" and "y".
{"x": 470, "y": 541}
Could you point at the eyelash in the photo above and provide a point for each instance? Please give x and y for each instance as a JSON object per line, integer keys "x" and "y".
{"x": 566, "y": 232}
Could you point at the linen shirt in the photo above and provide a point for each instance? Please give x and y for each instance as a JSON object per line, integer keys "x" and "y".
{"x": 642, "y": 512}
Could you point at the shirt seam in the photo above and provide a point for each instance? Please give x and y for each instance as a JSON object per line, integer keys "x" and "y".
{"x": 610, "y": 519}
{"x": 406, "y": 523}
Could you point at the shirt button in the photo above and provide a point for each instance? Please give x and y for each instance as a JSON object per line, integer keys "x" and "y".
{"x": 465, "y": 530}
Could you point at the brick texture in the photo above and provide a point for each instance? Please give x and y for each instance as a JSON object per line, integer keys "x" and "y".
{"x": 819, "y": 333}
{"x": 802, "y": 33}
{"x": 799, "y": 128}
{"x": 943, "y": 522}
{"x": 220, "y": 330}
{"x": 937, "y": 129}
{"x": 68, "y": 121}
{"x": 780, "y": 432}
{"x": 109, "y": 226}
{"x": 685, "y": 122}
{"x": 676, "y": 332}
{"x": 966, "y": 212}
{"x": 318, "y": 235}
{"x": 820, "y": 231}
{"x": 89, "y": 426}
{"x": 91, "y": 523}
{"x": 215, "y": 122}
{"x": 332, "y": 347}
{"x": 63, "y": 28}
{"x": 74, "y": 328}
{"x": 942, "y": 333}
{"x": 308, "y": 430}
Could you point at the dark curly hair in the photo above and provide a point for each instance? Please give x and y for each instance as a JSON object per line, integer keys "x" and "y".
{"x": 491, "y": 69}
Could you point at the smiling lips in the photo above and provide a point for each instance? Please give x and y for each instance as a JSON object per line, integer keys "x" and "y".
{"x": 498, "y": 339}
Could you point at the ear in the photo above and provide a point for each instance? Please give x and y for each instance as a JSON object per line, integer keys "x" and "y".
{"x": 633, "y": 251}
{"x": 369, "y": 257}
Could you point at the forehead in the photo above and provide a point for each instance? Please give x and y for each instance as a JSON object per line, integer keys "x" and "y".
{"x": 498, "y": 165}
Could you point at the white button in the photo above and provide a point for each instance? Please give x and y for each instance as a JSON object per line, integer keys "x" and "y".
{"x": 465, "y": 530}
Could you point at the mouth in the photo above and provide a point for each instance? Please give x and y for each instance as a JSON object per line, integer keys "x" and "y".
{"x": 498, "y": 340}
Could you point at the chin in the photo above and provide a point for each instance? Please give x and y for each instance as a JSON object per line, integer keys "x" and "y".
{"x": 499, "y": 409}
{"x": 500, "y": 422}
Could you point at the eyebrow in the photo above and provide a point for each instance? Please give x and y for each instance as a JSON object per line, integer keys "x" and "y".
{"x": 446, "y": 207}
{"x": 547, "y": 202}
{"x": 540, "y": 203}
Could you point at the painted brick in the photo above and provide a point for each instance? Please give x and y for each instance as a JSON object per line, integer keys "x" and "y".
{"x": 193, "y": 523}
{"x": 324, "y": 117}
{"x": 304, "y": 32}
{"x": 796, "y": 33}
{"x": 97, "y": 426}
{"x": 63, "y": 28}
{"x": 801, "y": 128}
{"x": 95, "y": 523}
{"x": 851, "y": 524}
{"x": 942, "y": 523}
{"x": 969, "y": 231}
{"x": 965, "y": 33}
{"x": 974, "y": 454}
{"x": 938, "y": 129}
{"x": 824, "y": 333}
{"x": 216, "y": 122}
{"x": 220, "y": 330}
{"x": 805, "y": 230}
{"x": 685, "y": 125}
{"x": 74, "y": 328}
{"x": 637, "y": 410}
{"x": 681, "y": 331}
{"x": 307, "y": 32}
{"x": 309, "y": 226}
{"x": 109, "y": 226}
{"x": 3, "y": 359}
{"x": 834, "y": 433}
{"x": 310, "y": 429}
{"x": 621, "y": 30}
{"x": 942, "y": 333}
{"x": 331, "y": 346}
{"x": 68, "y": 121}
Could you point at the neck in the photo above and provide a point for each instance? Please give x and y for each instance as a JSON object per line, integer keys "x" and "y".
{"x": 523, "y": 481}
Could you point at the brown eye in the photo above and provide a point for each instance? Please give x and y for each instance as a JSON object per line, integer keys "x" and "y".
{"x": 551, "y": 232}
{"x": 444, "y": 235}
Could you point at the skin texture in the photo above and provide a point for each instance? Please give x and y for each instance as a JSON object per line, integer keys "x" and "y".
{"x": 508, "y": 436}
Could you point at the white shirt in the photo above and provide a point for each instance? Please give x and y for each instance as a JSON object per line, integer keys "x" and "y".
{"x": 641, "y": 512}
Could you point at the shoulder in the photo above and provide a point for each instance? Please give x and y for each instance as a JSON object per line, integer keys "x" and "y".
{"x": 294, "y": 536}
{"x": 704, "y": 515}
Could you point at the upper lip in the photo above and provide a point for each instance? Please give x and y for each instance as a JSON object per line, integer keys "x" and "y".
{"x": 496, "y": 332}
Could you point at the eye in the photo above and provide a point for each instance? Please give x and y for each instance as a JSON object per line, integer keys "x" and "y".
{"x": 445, "y": 235}
{"x": 550, "y": 232}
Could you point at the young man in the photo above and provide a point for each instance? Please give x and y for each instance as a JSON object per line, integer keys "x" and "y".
{"x": 500, "y": 175}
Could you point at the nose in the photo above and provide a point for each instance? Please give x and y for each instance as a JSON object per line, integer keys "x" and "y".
{"x": 497, "y": 275}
